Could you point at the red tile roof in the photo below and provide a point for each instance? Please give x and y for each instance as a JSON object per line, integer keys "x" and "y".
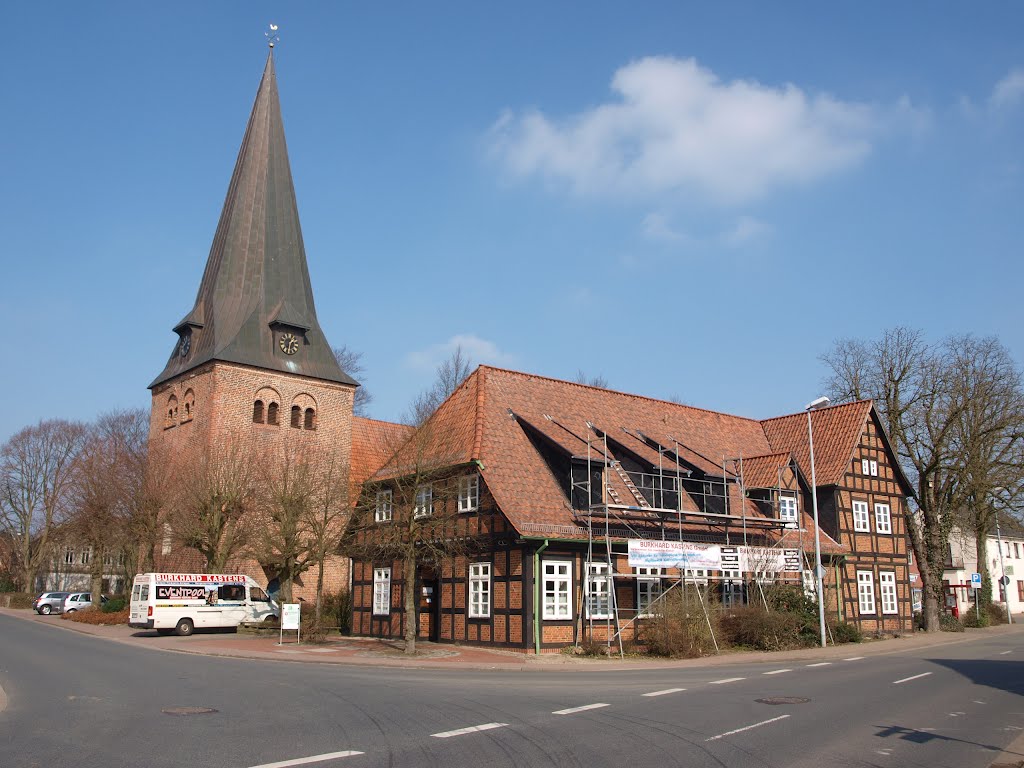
{"x": 496, "y": 416}
{"x": 837, "y": 430}
{"x": 373, "y": 443}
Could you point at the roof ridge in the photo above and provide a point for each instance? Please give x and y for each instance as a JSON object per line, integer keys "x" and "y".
{"x": 620, "y": 392}
{"x": 478, "y": 417}
{"x": 819, "y": 410}
{"x": 382, "y": 421}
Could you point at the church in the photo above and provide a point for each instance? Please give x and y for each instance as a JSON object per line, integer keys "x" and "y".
{"x": 552, "y": 482}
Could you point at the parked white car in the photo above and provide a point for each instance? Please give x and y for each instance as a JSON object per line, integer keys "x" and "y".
{"x": 76, "y": 601}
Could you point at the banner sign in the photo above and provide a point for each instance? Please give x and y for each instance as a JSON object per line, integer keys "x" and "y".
{"x": 652, "y": 553}
{"x": 201, "y": 578}
{"x": 165, "y": 592}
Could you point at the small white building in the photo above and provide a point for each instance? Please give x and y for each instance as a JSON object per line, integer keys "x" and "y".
{"x": 961, "y": 562}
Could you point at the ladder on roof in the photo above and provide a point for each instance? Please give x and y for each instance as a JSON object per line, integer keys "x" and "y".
{"x": 628, "y": 482}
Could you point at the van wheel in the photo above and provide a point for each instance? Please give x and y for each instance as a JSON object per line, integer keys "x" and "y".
{"x": 184, "y": 628}
{"x": 164, "y": 631}
{"x": 70, "y": 610}
{"x": 45, "y": 610}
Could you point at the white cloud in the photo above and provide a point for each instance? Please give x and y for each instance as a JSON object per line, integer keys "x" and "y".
{"x": 656, "y": 226}
{"x": 746, "y": 230}
{"x": 1009, "y": 91}
{"x": 675, "y": 126}
{"x": 476, "y": 349}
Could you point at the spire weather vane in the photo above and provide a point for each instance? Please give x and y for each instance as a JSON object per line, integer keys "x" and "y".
{"x": 272, "y": 37}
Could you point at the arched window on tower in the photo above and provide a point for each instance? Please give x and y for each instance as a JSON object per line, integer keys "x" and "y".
{"x": 188, "y": 405}
{"x": 272, "y": 410}
{"x": 309, "y": 421}
{"x": 296, "y": 417}
{"x": 257, "y": 412}
{"x": 171, "y": 417}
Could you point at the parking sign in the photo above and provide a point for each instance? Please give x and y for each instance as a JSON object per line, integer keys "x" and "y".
{"x": 975, "y": 581}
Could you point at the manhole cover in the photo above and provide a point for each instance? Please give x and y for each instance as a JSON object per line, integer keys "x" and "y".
{"x": 182, "y": 711}
{"x": 783, "y": 700}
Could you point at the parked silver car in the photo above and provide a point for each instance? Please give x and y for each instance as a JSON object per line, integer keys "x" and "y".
{"x": 76, "y": 601}
{"x": 50, "y": 602}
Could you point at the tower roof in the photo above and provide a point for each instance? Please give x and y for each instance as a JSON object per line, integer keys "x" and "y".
{"x": 256, "y": 284}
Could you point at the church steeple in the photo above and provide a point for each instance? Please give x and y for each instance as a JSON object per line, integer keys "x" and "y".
{"x": 255, "y": 302}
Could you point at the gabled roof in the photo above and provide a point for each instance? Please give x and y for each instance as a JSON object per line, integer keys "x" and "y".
{"x": 837, "y": 430}
{"x": 765, "y": 471}
{"x": 256, "y": 275}
{"x": 373, "y": 443}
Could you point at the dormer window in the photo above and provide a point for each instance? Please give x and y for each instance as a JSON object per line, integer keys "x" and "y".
{"x": 787, "y": 509}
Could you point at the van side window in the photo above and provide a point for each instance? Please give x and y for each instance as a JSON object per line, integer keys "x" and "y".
{"x": 144, "y": 594}
{"x": 257, "y": 595}
{"x": 232, "y": 592}
{"x": 135, "y": 591}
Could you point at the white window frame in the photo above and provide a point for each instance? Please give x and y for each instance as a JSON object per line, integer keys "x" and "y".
{"x": 861, "y": 519}
{"x": 883, "y": 517}
{"x": 385, "y": 507}
{"x": 469, "y": 493}
{"x": 874, "y": 468}
{"x": 887, "y": 591}
{"x": 381, "y": 591}
{"x": 69, "y": 556}
{"x": 865, "y": 467}
{"x": 648, "y": 588}
{"x": 788, "y": 512}
{"x": 86, "y": 556}
{"x": 695, "y": 575}
{"x": 424, "y": 501}
{"x": 557, "y": 576}
{"x": 479, "y": 590}
{"x": 598, "y": 590}
{"x": 866, "y": 593}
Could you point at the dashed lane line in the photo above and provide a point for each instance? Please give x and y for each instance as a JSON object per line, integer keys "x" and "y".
{"x": 307, "y": 760}
{"x": 471, "y": 729}
{"x": 820, "y": 664}
{"x": 854, "y": 658}
{"x": 665, "y": 692}
{"x": 574, "y": 710}
{"x": 726, "y": 680}
{"x": 776, "y": 671}
{"x": 912, "y": 677}
{"x": 747, "y": 728}
{"x": 1003, "y": 653}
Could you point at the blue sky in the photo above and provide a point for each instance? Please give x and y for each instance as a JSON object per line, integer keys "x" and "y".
{"x": 690, "y": 200}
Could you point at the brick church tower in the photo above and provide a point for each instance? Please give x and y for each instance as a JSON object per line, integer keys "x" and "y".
{"x": 251, "y": 365}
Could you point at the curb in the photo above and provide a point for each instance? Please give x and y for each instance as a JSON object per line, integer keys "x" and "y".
{"x": 885, "y": 647}
{"x": 1012, "y": 756}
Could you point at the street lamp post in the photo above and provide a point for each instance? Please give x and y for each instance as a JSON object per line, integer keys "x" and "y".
{"x": 821, "y": 402}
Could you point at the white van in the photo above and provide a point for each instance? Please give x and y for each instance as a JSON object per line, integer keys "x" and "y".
{"x": 184, "y": 602}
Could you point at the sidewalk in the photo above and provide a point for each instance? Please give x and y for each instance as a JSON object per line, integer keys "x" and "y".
{"x": 361, "y": 651}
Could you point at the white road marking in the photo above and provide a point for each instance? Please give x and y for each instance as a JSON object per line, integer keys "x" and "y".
{"x": 471, "y": 729}
{"x": 886, "y": 752}
{"x": 1003, "y": 653}
{"x": 1013, "y": 728}
{"x": 978, "y": 701}
{"x": 820, "y": 664}
{"x": 665, "y": 692}
{"x": 573, "y": 710}
{"x": 726, "y": 680}
{"x": 908, "y": 679}
{"x": 747, "y": 728}
{"x": 307, "y": 760}
{"x": 776, "y": 671}
{"x": 854, "y": 658}
{"x": 956, "y": 714}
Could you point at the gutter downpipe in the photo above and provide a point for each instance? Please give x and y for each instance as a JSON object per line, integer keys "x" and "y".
{"x": 536, "y": 596}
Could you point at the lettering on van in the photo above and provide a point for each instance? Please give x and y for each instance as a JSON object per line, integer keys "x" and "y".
{"x": 165, "y": 592}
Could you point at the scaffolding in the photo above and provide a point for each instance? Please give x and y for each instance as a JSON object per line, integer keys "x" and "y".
{"x": 636, "y": 505}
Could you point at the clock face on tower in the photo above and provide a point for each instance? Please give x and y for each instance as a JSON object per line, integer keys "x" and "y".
{"x": 289, "y": 344}
{"x": 186, "y": 344}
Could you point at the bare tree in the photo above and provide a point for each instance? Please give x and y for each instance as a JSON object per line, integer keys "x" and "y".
{"x": 209, "y": 510}
{"x": 351, "y": 362}
{"x": 989, "y": 438}
{"x": 36, "y": 473}
{"x": 409, "y": 513}
{"x": 326, "y": 516}
{"x": 591, "y": 381}
{"x": 925, "y": 395}
{"x": 449, "y": 375}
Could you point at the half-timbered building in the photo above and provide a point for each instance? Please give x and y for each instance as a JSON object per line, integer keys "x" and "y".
{"x": 551, "y": 480}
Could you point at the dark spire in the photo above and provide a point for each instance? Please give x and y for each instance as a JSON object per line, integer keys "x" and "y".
{"x": 255, "y": 295}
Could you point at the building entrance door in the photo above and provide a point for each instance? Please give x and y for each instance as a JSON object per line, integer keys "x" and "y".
{"x": 428, "y": 613}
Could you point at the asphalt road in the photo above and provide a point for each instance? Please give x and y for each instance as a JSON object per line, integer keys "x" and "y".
{"x": 76, "y": 700}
